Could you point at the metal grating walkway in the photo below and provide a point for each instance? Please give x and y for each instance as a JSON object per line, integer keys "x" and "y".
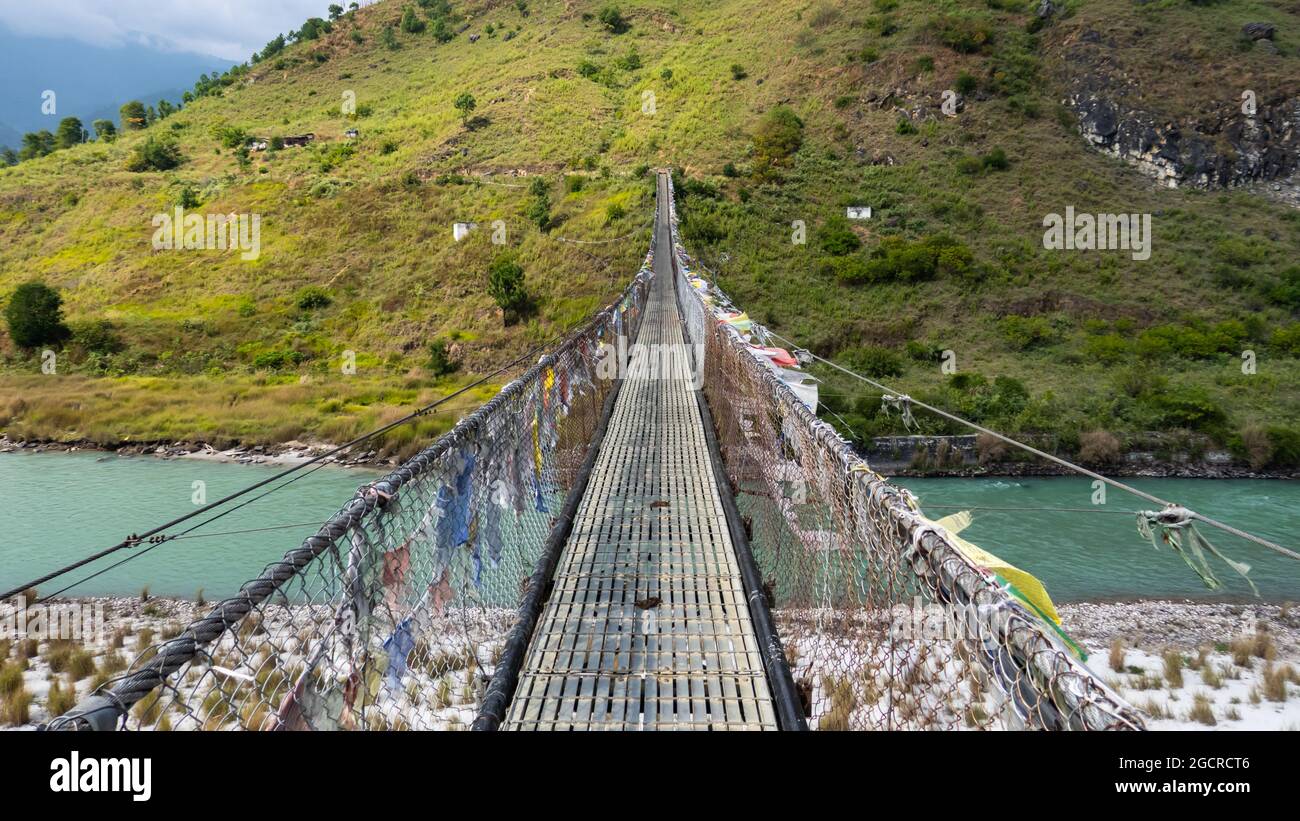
{"x": 647, "y": 626}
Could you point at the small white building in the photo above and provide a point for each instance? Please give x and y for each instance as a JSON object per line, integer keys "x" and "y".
{"x": 858, "y": 212}
{"x": 460, "y": 230}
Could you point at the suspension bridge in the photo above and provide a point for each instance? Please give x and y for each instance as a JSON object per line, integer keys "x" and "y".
{"x": 656, "y": 537}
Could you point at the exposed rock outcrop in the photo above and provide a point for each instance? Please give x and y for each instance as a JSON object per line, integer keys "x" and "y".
{"x": 1236, "y": 142}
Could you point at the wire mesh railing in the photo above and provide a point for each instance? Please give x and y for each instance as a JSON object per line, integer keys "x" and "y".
{"x": 395, "y": 613}
{"x": 886, "y": 624}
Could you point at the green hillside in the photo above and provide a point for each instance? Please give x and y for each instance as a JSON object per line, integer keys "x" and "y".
{"x": 357, "y": 251}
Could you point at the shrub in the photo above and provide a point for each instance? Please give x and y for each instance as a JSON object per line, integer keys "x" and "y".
{"x": 837, "y": 238}
{"x": 35, "y": 316}
{"x": 588, "y": 69}
{"x": 778, "y": 136}
{"x": 962, "y": 34}
{"x": 410, "y": 23}
{"x": 1107, "y": 348}
{"x": 897, "y": 259}
{"x": 1098, "y": 447}
{"x": 276, "y": 359}
{"x": 996, "y": 160}
{"x": 738, "y": 72}
{"x": 1024, "y": 332}
{"x": 154, "y": 154}
{"x": 506, "y": 284}
{"x": 58, "y": 701}
{"x": 873, "y": 361}
{"x": 1255, "y": 444}
{"x": 612, "y": 19}
{"x": 965, "y": 84}
{"x": 1190, "y": 408}
{"x": 628, "y": 62}
{"x": 312, "y": 297}
{"x": 539, "y": 211}
{"x": 1285, "y": 446}
{"x": 1287, "y": 339}
{"x": 905, "y": 126}
{"x": 614, "y": 212}
{"x": 96, "y": 336}
{"x": 440, "y": 363}
{"x": 334, "y": 155}
{"x": 230, "y": 136}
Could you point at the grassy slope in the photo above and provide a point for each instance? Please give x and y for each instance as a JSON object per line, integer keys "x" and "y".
{"x": 383, "y": 247}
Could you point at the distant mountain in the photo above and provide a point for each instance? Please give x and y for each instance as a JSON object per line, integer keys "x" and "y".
{"x": 88, "y": 81}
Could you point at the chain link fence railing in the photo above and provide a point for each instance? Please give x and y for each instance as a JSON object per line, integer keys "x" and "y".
{"x": 395, "y": 613}
{"x": 886, "y": 624}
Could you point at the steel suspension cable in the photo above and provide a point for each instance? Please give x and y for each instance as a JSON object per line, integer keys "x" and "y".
{"x": 1250, "y": 537}
{"x": 135, "y": 539}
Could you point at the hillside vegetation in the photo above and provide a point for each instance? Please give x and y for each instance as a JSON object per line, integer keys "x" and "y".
{"x": 771, "y": 113}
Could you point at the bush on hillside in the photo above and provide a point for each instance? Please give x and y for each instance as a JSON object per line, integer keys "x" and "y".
{"x": 873, "y": 361}
{"x": 35, "y": 316}
{"x": 1025, "y": 332}
{"x": 154, "y": 154}
{"x": 612, "y": 19}
{"x": 837, "y": 237}
{"x": 440, "y": 362}
{"x": 961, "y": 33}
{"x": 897, "y": 260}
{"x": 776, "y": 139}
{"x": 96, "y": 336}
{"x": 311, "y": 297}
{"x": 506, "y": 285}
{"x": 1098, "y": 447}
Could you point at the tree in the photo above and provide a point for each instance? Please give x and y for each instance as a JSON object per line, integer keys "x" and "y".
{"x": 35, "y": 316}
{"x": 336, "y": 11}
{"x": 465, "y": 104}
{"x": 104, "y": 130}
{"x": 8, "y": 156}
{"x": 506, "y": 285}
{"x": 133, "y": 115}
{"x": 314, "y": 28}
{"x": 36, "y": 144}
{"x": 71, "y": 132}
{"x": 272, "y": 48}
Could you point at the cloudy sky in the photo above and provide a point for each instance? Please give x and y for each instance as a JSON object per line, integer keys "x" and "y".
{"x": 232, "y": 29}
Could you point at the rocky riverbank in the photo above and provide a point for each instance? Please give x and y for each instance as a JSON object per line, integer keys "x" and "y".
{"x": 1153, "y": 455}
{"x": 890, "y": 456}
{"x": 285, "y": 453}
{"x": 1186, "y": 665}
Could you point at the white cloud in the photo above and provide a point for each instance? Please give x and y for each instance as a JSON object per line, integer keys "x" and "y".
{"x": 232, "y": 29}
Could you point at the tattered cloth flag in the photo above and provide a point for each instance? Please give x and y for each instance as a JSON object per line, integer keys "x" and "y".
{"x": 1174, "y": 527}
{"x": 902, "y": 403}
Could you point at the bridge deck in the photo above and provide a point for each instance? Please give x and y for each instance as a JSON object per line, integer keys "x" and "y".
{"x": 647, "y": 626}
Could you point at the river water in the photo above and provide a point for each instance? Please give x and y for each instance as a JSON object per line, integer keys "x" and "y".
{"x": 58, "y": 507}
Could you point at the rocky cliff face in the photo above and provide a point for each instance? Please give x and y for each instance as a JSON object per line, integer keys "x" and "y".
{"x": 1248, "y": 141}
